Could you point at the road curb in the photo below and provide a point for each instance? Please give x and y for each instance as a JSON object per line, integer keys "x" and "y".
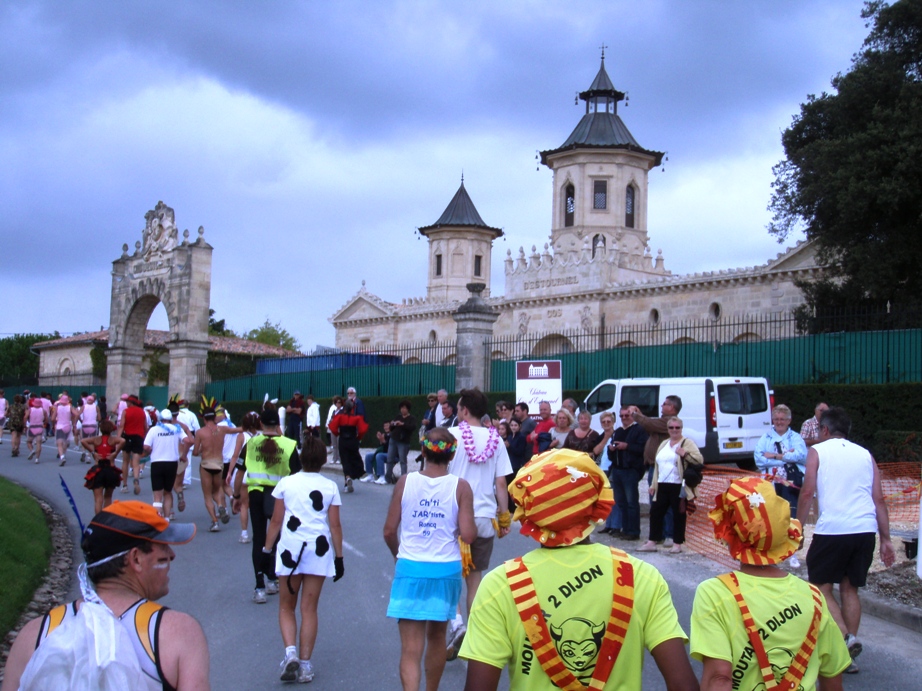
{"x": 896, "y": 613}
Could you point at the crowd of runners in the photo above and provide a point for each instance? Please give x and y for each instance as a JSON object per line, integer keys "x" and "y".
{"x": 571, "y": 614}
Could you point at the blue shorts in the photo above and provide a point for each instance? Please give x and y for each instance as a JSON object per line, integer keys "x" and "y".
{"x": 425, "y": 590}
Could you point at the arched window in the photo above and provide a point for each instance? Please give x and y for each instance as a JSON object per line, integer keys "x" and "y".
{"x": 569, "y": 205}
{"x": 629, "y": 207}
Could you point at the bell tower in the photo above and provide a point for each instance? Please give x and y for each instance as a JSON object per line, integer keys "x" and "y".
{"x": 600, "y": 179}
{"x": 460, "y": 248}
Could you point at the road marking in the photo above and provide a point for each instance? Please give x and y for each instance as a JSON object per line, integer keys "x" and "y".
{"x": 352, "y": 549}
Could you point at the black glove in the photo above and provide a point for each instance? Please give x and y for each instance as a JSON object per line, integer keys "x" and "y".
{"x": 338, "y": 566}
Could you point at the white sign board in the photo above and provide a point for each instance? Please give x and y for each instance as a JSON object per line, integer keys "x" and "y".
{"x": 536, "y": 381}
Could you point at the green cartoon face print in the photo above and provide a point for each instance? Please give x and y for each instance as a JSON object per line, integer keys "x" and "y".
{"x": 578, "y": 641}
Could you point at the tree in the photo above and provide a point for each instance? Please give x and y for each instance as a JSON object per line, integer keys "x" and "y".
{"x": 852, "y": 177}
{"x": 275, "y": 335}
{"x": 217, "y": 327}
{"x": 17, "y": 361}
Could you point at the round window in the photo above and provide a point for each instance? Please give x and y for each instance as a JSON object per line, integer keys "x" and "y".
{"x": 714, "y": 311}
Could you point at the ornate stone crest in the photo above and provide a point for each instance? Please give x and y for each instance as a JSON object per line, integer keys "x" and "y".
{"x": 160, "y": 234}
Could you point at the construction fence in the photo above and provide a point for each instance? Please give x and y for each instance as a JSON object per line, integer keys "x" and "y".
{"x": 901, "y": 487}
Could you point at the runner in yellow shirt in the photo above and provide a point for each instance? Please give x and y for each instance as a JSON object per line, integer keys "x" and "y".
{"x": 571, "y": 614}
{"x": 762, "y": 627}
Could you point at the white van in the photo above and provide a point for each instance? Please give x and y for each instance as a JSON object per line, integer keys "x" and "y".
{"x": 724, "y": 416}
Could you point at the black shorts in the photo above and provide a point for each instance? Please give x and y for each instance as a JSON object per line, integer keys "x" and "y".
{"x": 211, "y": 471}
{"x": 834, "y": 557}
{"x": 225, "y": 469}
{"x": 134, "y": 443}
{"x": 163, "y": 475}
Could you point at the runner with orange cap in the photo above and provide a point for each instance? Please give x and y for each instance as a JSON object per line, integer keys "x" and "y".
{"x": 116, "y": 636}
{"x": 571, "y": 614}
{"x": 760, "y": 626}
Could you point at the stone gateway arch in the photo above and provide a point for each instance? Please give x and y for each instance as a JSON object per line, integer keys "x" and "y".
{"x": 177, "y": 273}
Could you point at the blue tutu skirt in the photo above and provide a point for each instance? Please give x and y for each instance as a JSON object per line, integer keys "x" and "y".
{"x": 425, "y": 590}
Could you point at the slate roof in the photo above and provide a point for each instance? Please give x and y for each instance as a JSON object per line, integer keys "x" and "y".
{"x": 460, "y": 212}
{"x": 602, "y": 130}
{"x": 159, "y": 339}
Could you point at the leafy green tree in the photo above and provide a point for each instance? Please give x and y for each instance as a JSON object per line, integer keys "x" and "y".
{"x": 17, "y": 361}
{"x": 852, "y": 177}
{"x": 275, "y": 335}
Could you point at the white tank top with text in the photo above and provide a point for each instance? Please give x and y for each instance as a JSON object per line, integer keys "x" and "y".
{"x": 429, "y": 519}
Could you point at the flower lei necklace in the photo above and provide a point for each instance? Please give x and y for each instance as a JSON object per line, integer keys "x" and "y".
{"x": 467, "y": 436}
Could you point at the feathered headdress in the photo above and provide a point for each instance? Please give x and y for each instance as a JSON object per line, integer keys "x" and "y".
{"x": 175, "y": 398}
{"x": 208, "y": 406}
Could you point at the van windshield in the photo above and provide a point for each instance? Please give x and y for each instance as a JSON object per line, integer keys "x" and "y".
{"x": 644, "y": 397}
{"x": 742, "y": 399}
{"x": 601, "y": 399}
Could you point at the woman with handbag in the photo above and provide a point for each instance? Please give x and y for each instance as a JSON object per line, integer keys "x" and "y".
{"x": 781, "y": 457}
{"x": 673, "y": 458}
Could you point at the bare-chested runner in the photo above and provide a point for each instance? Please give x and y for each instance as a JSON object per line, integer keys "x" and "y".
{"x": 209, "y": 444}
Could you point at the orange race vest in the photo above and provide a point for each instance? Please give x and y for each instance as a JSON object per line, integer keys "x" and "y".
{"x": 622, "y": 604}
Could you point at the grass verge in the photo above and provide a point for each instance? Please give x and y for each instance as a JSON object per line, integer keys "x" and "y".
{"x": 25, "y": 551}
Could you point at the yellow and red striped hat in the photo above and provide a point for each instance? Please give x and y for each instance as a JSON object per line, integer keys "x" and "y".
{"x": 755, "y": 523}
{"x": 562, "y": 495}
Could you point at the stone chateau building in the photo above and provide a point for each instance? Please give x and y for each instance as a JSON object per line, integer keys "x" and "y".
{"x": 596, "y": 272}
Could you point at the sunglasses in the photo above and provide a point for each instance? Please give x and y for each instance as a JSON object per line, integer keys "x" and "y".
{"x": 673, "y": 427}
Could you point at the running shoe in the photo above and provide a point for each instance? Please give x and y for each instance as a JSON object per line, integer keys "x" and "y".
{"x": 137, "y": 484}
{"x": 180, "y": 500}
{"x": 853, "y": 644}
{"x": 124, "y": 489}
{"x": 31, "y": 454}
{"x": 367, "y": 477}
{"x": 305, "y": 672}
{"x": 794, "y": 562}
{"x": 852, "y": 669}
{"x": 244, "y": 537}
{"x": 381, "y": 481}
{"x": 222, "y": 514}
{"x": 83, "y": 457}
{"x": 348, "y": 487}
{"x": 288, "y": 670}
{"x": 272, "y": 587}
{"x": 62, "y": 459}
{"x": 259, "y": 596}
{"x": 455, "y": 641}
{"x": 214, "y": 527}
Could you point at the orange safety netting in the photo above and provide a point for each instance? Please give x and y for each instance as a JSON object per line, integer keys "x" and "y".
{"x": 900, "y": 483}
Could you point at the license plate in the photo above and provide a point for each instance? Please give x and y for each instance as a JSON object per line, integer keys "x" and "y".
{"x": 733, "y": 445}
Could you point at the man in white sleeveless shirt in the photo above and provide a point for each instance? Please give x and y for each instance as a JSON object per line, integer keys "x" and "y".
{"x": 852, "y": 512}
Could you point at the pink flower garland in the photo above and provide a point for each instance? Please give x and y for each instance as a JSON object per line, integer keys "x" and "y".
{"x": 467, "y": 437}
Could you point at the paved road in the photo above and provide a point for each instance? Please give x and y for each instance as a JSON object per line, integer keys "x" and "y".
{"x": 358, "y": 647}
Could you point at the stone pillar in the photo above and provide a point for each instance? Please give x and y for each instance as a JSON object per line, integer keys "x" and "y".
{"x": 187, "y": 368}
{"x": 122, "y": 373}
{"x": 474, "y": 319}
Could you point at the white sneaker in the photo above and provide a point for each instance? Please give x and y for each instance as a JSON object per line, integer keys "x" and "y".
{"x": 288, "y": 670}
{"x": 244, "y": 538}
{"x": 305, "y": 672}
{"x": 348, "y": 486}
{"x": 794, "y": 562}
{"x": 259, "y": 596}
{"x": 367, "y": 477}
{"x": 454, "y": 642}
{"x": 272, "y": 587}
{"x": 381, "y": 481}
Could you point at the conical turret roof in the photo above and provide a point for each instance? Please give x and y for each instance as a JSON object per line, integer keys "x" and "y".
{"x": 460, "y": 212}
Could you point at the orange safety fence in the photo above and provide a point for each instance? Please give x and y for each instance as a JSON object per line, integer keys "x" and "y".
{"x": 900, "y": 483}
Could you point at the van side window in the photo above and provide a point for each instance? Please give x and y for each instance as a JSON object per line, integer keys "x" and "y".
{"x": 742, "y": 399}
{"x": 644, "y": 397}
{"x": 601, "y": 400}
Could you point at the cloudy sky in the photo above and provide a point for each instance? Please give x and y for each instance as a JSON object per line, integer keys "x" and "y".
{"x": 311, "y": 139}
